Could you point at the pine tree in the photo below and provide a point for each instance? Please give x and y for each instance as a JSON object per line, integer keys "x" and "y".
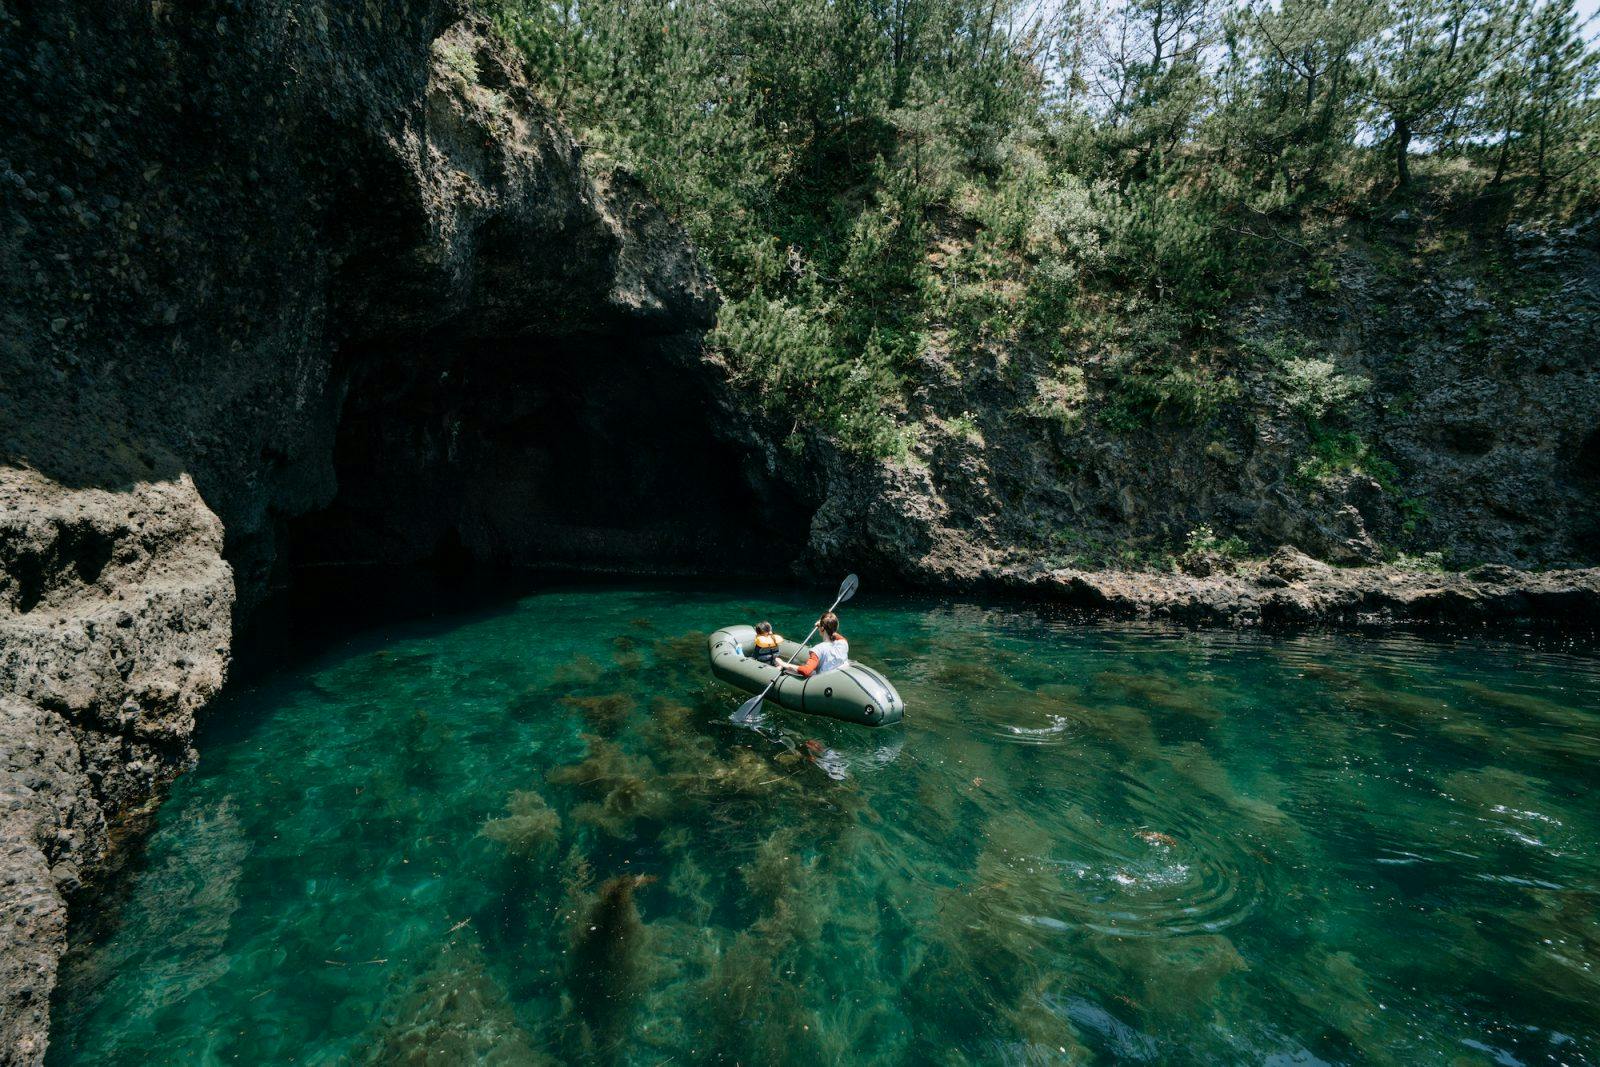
{"x": 1428, "y": 62}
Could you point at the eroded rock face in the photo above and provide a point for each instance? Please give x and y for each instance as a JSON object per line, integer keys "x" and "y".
{"x": 1477, "y": 432}
{"x": 115, "y": 629}
{"x": 216, "y": 218}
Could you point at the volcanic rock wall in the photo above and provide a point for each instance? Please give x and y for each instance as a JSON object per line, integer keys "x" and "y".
{"x": 216, "y": 216}
{"x": 1479, "y": 345}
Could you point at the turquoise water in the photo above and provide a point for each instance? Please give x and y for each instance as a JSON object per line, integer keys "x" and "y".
{"x": 531, "y": 835}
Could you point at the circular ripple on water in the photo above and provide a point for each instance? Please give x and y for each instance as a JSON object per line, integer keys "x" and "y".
{"x": 1178, "y": 876}
{"x": 1037, "y": 718}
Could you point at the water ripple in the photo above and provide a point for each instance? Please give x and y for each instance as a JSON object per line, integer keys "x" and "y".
{"x": 1038, "y": 718}
{"x": 1141, "y": 881}
{"x": 1085, "y": 843}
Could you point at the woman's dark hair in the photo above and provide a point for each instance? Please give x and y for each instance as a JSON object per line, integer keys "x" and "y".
{"x": 829, "y": 623}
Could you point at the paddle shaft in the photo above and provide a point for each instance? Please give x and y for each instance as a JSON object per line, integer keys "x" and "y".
{"x": 763, "y": 694}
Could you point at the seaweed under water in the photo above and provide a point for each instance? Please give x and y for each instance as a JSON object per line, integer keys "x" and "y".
{"x": 521, "y": 838}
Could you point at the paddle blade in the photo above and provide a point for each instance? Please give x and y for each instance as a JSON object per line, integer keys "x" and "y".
{"x": 848, "y": 589}
{"x": 749, "y": 709}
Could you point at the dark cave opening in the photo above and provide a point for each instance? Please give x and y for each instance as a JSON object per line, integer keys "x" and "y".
{"x": 584, "y": 454}
{"x": 1586, "y": 464}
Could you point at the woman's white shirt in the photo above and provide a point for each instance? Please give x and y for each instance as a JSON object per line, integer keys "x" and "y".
{"x": 831, "y": 655}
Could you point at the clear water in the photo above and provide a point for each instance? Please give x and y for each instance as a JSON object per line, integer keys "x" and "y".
{"x": 532, "y": 835}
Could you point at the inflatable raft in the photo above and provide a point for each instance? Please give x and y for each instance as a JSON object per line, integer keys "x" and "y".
{"x": 852, "y": 693}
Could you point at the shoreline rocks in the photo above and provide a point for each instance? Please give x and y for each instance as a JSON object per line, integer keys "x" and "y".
{"x": 1292, "y": 589}
{"x": 115, "y": 631}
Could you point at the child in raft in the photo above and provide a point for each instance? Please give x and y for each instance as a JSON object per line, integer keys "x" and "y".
{"x": 766, "y": 644}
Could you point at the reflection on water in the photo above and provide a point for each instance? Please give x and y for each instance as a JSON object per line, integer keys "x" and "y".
{"x": 537, "y": 836}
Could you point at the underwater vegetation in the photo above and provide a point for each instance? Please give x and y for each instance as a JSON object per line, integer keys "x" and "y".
{"x": 608, "y": 961}
{"x": 1163, "y": 693}
{"x": 579, "y": 671}
{"x": 606, "y": 713}
{"x": 1085, "y": 846}
{"x": 455, "y": 1012}
{"x": 531, "y": 828}
{"x": 619, "y": 788}
{"x": 625, "y": 653}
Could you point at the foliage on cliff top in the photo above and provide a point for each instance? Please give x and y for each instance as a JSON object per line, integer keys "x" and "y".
{"x": 869, "y": 179}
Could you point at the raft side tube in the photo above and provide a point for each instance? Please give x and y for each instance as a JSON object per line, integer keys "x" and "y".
{"x": 852, "y": 693}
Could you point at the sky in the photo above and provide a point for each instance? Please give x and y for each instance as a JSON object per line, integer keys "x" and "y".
{"x": 1587, "y": 9}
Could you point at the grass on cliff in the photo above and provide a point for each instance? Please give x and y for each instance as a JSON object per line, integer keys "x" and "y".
{"x": 890, "y": 194}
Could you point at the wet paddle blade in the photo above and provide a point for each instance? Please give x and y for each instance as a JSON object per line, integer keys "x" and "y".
{"x": 848, "y": 589}
{"x": 749, "y": 709}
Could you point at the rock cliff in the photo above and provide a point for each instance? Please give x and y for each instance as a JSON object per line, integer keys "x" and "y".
{"x": 1437, "y": 390}
{"x": 244, "y": 245}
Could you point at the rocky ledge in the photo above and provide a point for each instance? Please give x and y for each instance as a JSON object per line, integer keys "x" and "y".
{"x": 114, "y": 633}
{"x": 1292, "y": 589}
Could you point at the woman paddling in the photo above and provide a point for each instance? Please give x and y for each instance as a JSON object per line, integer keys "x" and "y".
{"x": 830, "y": 655}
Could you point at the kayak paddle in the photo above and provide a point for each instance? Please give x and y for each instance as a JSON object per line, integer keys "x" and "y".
{"x": 847, "y": 589}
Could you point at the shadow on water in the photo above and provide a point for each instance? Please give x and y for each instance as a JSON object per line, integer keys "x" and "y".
{"x": 523, "y": 829}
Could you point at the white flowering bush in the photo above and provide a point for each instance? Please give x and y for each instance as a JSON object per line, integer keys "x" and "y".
{"x": 1317, "y": 390}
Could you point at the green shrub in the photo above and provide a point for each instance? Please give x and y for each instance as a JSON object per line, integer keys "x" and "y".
{"x": 1316, "y": 390}
{"x": 1321, "y": 278}
{"x": 785, "y": 354}
{"x": 1425, "y": 561}
{"x": 1336, "y": 454}
{"x": 1060, "y": 400}
{"x": 1203, "y": 540}
{"x": 1412, "y": 514}
{"x": 818, "y": 152}
{"x": 458, "y": 59}
{"x": 1181, "y": 394}
{"x": 965, "y": 425}
{"x": 1168, "y": 245}
{"x": 1272, "y": 351}
{"x": 981, "y": 294}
